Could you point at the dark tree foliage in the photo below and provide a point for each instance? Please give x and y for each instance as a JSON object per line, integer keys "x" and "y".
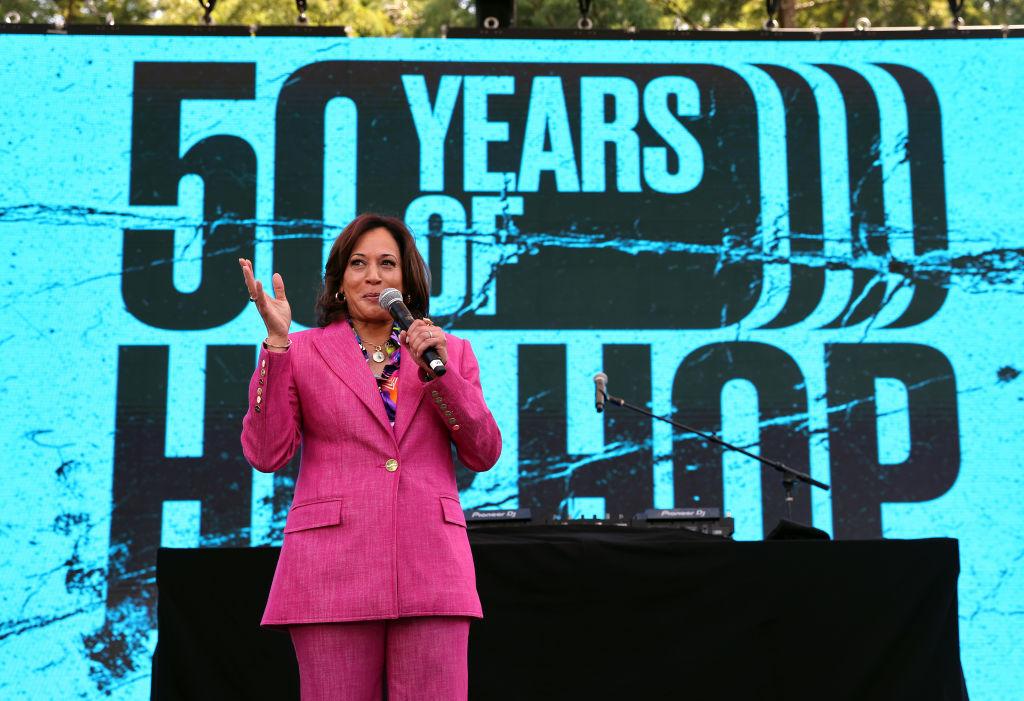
{"x": 427, "y": 18}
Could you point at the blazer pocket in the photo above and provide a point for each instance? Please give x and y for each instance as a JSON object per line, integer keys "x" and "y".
{"x": 451, "y": 510}
{"x": 314, "y": 515}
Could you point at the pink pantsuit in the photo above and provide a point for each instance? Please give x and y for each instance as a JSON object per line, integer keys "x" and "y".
{"x": 426, "y": 659}
{"x": 376, "y": 530}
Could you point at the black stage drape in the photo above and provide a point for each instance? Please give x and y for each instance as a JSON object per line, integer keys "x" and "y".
{"x": 588, "y": 612}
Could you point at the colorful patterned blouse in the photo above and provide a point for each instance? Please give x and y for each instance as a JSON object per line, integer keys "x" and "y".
{"x": 387, "y": 381}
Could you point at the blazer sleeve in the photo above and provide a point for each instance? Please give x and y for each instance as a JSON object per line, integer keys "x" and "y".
{"x": 272, "y": 427}
{"x": 459, "y": 399}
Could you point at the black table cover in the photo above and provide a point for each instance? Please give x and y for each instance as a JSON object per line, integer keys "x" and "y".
{"x": 619, "y": 613}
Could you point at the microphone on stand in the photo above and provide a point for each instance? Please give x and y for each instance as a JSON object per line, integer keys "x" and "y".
{"x": 391, "y": 300}
{"x": 600, "y": 387}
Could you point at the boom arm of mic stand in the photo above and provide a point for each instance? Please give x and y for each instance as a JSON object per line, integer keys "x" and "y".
{"x": 788, "y": 472}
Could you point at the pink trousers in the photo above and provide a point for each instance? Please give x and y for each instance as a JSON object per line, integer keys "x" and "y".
{"x": 422, "y": 658}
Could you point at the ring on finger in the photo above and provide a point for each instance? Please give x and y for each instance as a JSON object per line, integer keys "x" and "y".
{"x": 252, "y": 299}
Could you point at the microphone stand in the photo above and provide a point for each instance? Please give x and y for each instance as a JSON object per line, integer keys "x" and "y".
{"x": 789, "y": 476}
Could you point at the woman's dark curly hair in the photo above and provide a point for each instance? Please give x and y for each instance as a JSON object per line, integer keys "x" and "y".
{"x": 415, "y": 276}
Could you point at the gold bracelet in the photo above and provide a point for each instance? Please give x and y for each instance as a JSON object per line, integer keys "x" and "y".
{"x": 268, "y": 344}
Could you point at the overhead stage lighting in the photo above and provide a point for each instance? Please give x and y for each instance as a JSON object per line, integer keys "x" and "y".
{"x": 495, "y": 14}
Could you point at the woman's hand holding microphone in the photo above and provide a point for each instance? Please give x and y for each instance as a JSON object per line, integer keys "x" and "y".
{"x": 422, "y": 334}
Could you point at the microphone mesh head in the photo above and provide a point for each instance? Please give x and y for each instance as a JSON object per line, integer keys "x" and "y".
{"x": 389, "y": 297}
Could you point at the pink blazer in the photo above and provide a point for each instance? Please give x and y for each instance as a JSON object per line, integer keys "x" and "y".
{"x": 376, "y": 529}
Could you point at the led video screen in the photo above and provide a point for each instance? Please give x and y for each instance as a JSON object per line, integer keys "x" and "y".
{"x": 809, "y": 248}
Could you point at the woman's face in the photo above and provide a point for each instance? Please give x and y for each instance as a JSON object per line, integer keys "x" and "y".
{"x": 374, "y": 266}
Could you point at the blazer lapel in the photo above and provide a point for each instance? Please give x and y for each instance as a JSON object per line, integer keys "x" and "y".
{"x": 337, "y": 345}
{"x": 410, "y": 393}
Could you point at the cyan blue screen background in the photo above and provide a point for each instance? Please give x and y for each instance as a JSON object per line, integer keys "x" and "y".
{"x": 65, "y": 149}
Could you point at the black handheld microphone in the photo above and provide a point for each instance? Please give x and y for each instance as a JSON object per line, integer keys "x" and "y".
{"x": 601, "y": 387}
{"x": 391, "y": 300}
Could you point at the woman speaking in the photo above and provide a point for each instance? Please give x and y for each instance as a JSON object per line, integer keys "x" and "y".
{"x": 375, "y": 579}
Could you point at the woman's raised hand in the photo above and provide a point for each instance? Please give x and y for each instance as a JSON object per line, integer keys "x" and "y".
{"x": 276, "y": 312}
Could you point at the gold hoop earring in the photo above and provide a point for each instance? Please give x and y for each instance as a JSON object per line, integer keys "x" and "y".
{"x": 339, "y": 296}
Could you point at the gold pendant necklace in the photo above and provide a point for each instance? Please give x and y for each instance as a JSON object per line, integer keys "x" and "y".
{"x": 381, "y": 352}
{"x": 378, "y": 352}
